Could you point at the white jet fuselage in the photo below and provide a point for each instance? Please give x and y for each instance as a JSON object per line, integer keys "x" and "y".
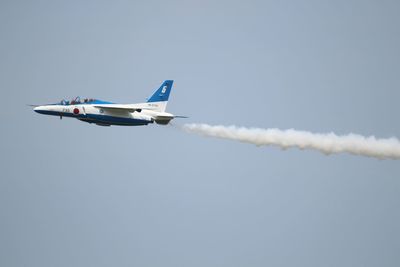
{"x": 106, "y": 113}
{"x": 101, "y": 115}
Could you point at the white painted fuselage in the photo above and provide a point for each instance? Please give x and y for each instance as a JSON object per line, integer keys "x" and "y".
{"x": 107, "y": 113}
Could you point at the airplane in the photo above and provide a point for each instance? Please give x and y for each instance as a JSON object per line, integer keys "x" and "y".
{"x": 104, "y": 113}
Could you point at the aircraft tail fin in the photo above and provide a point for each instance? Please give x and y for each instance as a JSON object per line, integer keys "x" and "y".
{"x": 161, "y": 95}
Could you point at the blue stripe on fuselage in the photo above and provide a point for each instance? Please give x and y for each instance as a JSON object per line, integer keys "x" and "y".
{"x": 94, "y": 118}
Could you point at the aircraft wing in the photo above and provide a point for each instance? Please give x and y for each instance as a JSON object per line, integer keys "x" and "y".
{"x": 120, "y": 107}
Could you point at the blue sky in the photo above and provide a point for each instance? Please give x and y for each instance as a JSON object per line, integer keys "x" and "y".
{"x": 73, "y": 194}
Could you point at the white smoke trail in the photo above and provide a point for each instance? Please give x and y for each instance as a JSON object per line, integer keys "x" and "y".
{"x": 325, "y": 143}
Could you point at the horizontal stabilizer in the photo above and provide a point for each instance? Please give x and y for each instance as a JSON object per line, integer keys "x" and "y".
{"x": 181, "y": 117}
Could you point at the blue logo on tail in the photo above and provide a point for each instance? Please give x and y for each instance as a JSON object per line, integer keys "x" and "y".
{"x": 162, "y": 94}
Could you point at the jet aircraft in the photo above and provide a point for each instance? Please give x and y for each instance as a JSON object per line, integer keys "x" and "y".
{"x": 105, "y": 113}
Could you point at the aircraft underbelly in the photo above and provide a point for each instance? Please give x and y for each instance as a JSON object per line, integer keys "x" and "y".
{"x": 100, "y": 119}
{"x": 113, "y": 120}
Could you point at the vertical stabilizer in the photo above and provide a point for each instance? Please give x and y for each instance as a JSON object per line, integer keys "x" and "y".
{"x": 160, "y": 97}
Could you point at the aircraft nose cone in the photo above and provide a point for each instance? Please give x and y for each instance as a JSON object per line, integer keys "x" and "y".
{"x": 39, "y": 110}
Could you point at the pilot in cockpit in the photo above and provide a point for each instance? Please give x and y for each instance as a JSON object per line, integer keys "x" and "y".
{"x": 77, "y": 100}
{"x": 74, "y": 101}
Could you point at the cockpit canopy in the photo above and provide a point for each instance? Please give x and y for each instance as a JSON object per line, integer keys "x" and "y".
{"x": 77, "y": 100}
